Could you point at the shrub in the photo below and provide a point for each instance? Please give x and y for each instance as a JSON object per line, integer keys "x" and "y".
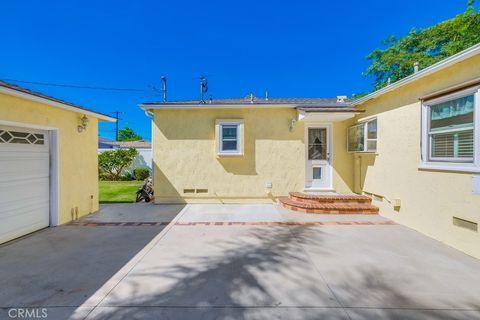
{"x": 104, "y": 176}
{"x": 141, "y": 173}
{"x": 114, "y": 162}
{"x": 128, "y": 176}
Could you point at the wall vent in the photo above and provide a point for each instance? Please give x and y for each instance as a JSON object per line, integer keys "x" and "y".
{"x": 188, "y": 190}
{"x": 470, "y": 225}
{"x": 202, "y": 190}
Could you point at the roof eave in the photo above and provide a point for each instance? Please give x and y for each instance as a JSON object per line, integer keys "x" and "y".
{"x": 463, "y": 55}
{"x": 53, "y": 103}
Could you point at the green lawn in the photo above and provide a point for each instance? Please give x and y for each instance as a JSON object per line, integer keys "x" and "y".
{"x": 118, "y": 191}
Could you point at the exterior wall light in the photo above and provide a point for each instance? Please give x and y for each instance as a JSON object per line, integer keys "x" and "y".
{"x": 83, "y": 124}
{"x": 292, "y": 124}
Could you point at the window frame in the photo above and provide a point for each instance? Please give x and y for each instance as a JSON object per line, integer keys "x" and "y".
{"x": 449, "y": 164}
{"x": 219, "y": 137}
{"x": 364, "y": 122}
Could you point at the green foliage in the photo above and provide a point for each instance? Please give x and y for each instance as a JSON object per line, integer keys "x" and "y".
{"x": 425, "y": 46}
{"x": 141, "y": 173}
{"x": 112, "y": 163}
{"x": 127, "y": 134}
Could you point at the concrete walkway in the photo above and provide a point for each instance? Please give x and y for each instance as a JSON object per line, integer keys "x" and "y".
{"x": 201, "y": 266}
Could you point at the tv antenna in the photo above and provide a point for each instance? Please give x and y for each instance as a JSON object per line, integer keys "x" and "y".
{"x": 203, "y": 88}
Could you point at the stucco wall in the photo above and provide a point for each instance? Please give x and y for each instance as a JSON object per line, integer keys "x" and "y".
{"x": 78, "y": 151}
{"x": 184, "y": 156}
{"x": 429, "y": 199}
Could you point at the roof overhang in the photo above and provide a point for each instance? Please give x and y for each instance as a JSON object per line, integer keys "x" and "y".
{"x": 54, "y": 103}
{"x": 148, "y": 107}
{"x": 326, "y": 114}
{"x": 445, "y": 63}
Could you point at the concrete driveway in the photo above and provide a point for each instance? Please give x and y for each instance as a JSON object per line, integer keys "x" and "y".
{"x": 236, "y": 262}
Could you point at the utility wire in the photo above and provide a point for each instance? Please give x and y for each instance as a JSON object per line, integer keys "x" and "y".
{"x": 76, "y": 86}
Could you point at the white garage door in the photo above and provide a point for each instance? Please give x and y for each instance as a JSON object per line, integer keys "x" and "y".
{"x": 24, "y": 181}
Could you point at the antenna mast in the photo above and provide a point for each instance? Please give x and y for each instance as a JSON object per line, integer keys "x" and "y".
{"x": 164, "y": 88}
{"x": 203, "y": 87}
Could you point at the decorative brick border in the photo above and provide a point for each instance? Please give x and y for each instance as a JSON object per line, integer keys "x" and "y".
{"x": 234, "y": 223}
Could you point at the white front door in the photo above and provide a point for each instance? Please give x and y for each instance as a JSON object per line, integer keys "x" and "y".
{"x": 318, "y": 169}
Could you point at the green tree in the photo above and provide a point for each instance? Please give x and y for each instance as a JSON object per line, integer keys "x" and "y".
{"x": 425, "y": 46}
{"x": 114, "y": 162}
{"x": 127, "y": 134}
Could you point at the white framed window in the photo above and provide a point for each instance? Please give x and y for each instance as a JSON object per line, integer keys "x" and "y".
{"x": 362, "y": 137}
{"x": 450, "y": 132}
{"x": 229, "y": 135}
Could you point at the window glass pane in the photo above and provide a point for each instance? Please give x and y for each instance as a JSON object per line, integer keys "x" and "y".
{"x": 229, "y": 145}
{"x": 372, "y": 145}
{"x": 372, "y": 129}
{"x": 229, "y": 132}
{"x": 454, "y": 114}
{"x": 317, "y": 144}
{"x": 356, "y": 136}
{"x": 453, "y": 145}
{"x": 317, "y": 173}
{"x": 229, "y": 137}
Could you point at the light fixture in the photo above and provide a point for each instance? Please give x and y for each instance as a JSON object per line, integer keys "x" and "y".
{"x": 83, "y": 124}
{"x": 292, "y": 124}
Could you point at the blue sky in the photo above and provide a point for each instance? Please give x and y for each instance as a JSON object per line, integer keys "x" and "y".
{"x": 290, "y": 48}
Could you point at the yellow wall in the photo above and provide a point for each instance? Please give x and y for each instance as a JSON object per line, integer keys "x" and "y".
{"x": 429, "y": 199}
{"x": 184, "y": 156}
{"x": 78, "y": 151}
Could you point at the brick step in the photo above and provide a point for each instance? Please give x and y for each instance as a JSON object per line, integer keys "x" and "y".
{"x": 329, "y": 207}
{"x": 327, "y": 198}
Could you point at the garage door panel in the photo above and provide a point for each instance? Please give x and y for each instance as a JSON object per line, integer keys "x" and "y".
{"x": 13, "y": 208}
{"x": 24, "y": 190}
{"x": 24, "y": 181}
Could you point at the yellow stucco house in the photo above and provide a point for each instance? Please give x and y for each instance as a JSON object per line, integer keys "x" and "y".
{"x": 48, "y": 161}
{"x": 413, "y": 147}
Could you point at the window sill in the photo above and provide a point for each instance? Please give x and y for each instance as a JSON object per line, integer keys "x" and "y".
{"x": 233, "y": 154}
{"x": 447, "y": 167}
{"x": 364, "y": 152}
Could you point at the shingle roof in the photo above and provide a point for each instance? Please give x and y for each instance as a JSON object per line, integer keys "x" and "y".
{"x": 297, "y": 102}
{"x": 50, "y": 98}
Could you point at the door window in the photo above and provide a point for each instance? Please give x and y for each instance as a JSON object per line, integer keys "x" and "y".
{"x": 317, "y": 144}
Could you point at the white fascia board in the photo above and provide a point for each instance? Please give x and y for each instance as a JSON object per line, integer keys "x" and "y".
{"x": 215, "y": 106}
{"x": 56, "y": 104}
{"x": 459, "y": 57}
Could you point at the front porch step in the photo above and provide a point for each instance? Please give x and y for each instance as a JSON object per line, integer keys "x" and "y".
{"x": 328, "y": 204}
{"x": 329, "y": 198}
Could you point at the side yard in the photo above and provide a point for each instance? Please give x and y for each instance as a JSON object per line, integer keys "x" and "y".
{"x": 118, "y": 191}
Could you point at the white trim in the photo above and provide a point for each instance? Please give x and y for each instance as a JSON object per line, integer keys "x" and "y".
{"x": 54, "y": 173}
{"x": 330, "y": 154}
{"x": 218, "y": 136}
{"x": 56, "y": 104}
{"x": 54, "y": 178}
{"x": 445, "y": 63}
{"x": 451, "y": 164}
{"x": 440, "y": 166}
{"x": 215, "y": 106}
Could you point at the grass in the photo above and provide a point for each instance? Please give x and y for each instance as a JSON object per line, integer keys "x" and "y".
{"x": 118, "y": 191}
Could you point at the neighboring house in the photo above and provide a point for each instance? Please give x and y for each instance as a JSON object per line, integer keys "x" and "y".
{"x": 144, "y": 148}
{"x": 413, "y": 146}
{"x": 48, "y": 161}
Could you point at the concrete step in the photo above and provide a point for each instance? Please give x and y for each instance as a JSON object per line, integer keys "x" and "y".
{"x": 329, "y": 207}
{"x": 329, "y": 198}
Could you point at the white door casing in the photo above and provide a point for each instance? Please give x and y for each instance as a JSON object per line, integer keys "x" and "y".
{"x": 318, "y": 156}
{"x": 24, "y": 181}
